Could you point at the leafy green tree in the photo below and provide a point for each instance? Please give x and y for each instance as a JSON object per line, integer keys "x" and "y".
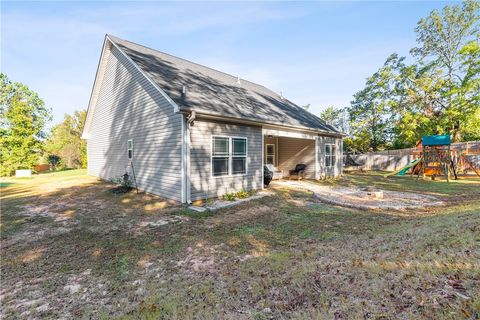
{"x": 370, "y": 111}
{"x": 471, "y": 129}
{"x": 54, "y": 161}
{"x": 65, "y": 141}
{"x": 23, "y": 117}
{"x": 448, "y": 49}
{"x": 468, "y": 92}
{"x": 416, "y": 100}
{"x": 337, "y": 117}
{"x": 441, "y": 36}
{"x": 438, "y": 94}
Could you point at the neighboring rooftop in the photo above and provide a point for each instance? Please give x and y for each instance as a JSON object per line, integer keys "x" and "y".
{"x": 217, "y": 93}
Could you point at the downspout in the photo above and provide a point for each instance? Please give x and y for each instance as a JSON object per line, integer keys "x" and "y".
{"x": 190, "y": 119}
{"x": 317, "y": 164}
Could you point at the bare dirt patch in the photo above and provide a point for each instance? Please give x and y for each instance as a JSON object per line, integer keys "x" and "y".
{"x": 202, "y": 258}
{"x": 82, "y": 252}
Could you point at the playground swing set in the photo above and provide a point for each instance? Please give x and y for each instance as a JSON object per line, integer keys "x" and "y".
{"x": 434, "y": 157}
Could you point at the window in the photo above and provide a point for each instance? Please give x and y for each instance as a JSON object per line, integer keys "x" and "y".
{"x": 270, "y": 154}
{"x": 220, "y": 156}
{"x": 229, "y": 156}
{"x": 239, "y": 156}
{"x": 130, "y": 149}
{"x": 330, "y": 155}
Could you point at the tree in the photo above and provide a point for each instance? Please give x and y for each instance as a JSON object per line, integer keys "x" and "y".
{"x": 370, "y": 111}
{"x": 22, "y": 123}
{"x": 442, "y": 36}
{"x": 65, "y": 141}
{"x": 336, "y": 117}
{"x": 468, "y": 92}
{"x": 438, "y": 94}
{"x": 416, "y": 100}
{"x": 448, "y": 43}
{"x": 53, "y": 160}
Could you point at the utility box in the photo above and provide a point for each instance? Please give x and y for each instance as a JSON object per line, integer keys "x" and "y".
{"x": 23, "y": 173}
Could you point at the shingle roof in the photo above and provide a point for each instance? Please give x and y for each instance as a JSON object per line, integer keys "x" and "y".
{"x": 218, "y": 93}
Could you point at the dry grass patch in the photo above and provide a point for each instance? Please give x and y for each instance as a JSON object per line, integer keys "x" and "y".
{"x": 80, "y": 251}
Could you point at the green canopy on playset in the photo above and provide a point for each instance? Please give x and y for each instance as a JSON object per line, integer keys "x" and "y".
{"x": 438, "y": 140}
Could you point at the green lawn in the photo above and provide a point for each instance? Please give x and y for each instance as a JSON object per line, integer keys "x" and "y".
{"x": 73, "y": 249}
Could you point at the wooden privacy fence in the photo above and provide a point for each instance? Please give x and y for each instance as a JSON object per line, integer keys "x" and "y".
{"x": 391, "y": 160}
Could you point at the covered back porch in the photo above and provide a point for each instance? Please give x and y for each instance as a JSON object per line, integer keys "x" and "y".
{"x": 284, "y": 149}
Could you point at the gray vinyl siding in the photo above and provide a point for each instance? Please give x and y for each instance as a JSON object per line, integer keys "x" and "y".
{"x": 336, "y": 170}
{"x": 203, "y": 185}
{"x": 129, "y": 107}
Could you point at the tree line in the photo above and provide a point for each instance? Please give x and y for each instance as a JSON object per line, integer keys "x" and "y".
{"x": 24, "y": 137}
{"x": 439, "y": 93}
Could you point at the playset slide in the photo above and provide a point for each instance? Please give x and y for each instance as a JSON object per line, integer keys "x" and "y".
{"x": 403, "y": 170}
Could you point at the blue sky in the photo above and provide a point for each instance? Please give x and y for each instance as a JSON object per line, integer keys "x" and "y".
{"x": 313, "y": 52}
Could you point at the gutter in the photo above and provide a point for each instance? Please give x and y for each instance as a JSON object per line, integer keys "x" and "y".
{"x": 190, "y": 119}
{"x": 209, "y": 115}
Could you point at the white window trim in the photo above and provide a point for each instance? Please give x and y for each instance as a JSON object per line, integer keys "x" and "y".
{"x": 129, "y": 142}
{"x": 333, "y": 154}
{"x": 230, "y": 156}
{"x": 274, "y": 153}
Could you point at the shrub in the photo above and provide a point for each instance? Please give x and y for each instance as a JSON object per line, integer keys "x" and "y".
{"x": 54, "y": 161}
{"x": 229, "y": 196}
{"x": 124, "y": 182}
{"x": 242, "y": 194}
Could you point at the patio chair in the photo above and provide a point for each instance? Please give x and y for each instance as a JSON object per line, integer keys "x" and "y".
{"x": 276, "y": 174}
{"x": 299, "y": 172}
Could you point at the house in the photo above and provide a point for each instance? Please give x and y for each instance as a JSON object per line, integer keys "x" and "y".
{"x": 190, "y": 132}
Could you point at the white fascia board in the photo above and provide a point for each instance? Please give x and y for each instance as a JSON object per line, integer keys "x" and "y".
{"x": 213, "y": 116}
{"x": 163, "y": 93}
{"x": 88, "y": 119}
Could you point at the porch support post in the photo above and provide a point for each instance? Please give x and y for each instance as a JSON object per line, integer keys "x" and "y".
{"x": 263, "y": 160}
{"x": 341, "y": 158}
{"x": 317, "y": 164}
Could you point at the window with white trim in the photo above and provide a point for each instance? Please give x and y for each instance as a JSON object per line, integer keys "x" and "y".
{"x": 130, "y": 149}
{"x": 330, "y": 155}
{"x": 270, "y": 153}
{"x": 229, "y": 156}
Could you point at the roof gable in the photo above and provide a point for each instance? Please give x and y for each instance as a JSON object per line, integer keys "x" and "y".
{"x": 195, "y": 87}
